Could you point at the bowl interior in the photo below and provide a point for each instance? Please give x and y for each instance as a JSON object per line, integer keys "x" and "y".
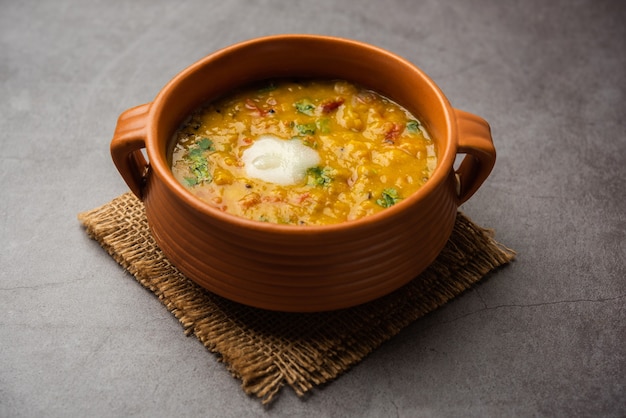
{"x": 300, "y": 56}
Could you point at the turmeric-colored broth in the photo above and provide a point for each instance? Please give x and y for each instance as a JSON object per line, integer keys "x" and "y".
{"x": 303, "y": 153}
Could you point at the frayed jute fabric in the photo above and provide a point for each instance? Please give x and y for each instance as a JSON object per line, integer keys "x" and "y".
{"x": 267, "y": 350}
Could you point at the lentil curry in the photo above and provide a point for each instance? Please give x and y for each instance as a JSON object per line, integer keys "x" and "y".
{"x": 305, "y": 152}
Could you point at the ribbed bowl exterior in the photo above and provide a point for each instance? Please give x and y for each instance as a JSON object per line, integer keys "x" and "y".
{"x": 301, "y": 271}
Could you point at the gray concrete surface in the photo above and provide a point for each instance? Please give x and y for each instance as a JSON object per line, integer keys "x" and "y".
{"x": 543, "y": 337}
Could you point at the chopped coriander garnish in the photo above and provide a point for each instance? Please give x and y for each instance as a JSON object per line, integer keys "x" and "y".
{"x": 319, "y": 176}
{"x": 413, "y": 126}
{"x": 306, "y": 128}
{"x": 323, "y": 125}
{"x": 200, "y": 168}
{"x": 305, "y": 106}
{"x": 388, "y": 198}
{"x": 206, "y": 144}
{"x": 195, "y": 153}
{"x": 191, "y": 181}
{"x": 198, "y": 163}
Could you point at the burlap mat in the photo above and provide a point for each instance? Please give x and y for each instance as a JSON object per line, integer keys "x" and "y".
{"x": 267, "y": 350}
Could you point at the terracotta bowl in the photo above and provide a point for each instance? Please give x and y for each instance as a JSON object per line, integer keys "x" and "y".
{"x": 301, "y": 268}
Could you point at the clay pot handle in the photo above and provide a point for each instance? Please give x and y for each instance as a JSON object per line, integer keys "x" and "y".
{"x": 474, "y": 140}
{"x": 128, "y": 140}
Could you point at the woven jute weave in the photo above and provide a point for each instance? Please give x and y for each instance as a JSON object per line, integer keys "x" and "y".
{"x": 267, "y": 350}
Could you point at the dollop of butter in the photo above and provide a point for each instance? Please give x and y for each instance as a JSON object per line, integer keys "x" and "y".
{"x": 279, "y": 161}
